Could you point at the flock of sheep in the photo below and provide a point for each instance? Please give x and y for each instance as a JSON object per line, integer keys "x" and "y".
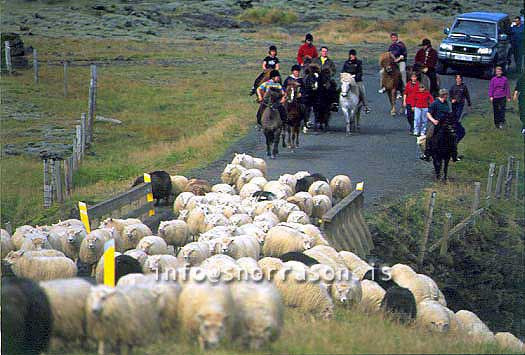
{"x": 223, "y": 271}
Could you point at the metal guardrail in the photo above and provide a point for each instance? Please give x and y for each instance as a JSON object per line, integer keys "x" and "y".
{"x": 133, "y": 200}
{"x": 345, "y": 227}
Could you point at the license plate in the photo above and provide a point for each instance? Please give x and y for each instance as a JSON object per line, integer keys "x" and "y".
{"x": 467, "y": 58}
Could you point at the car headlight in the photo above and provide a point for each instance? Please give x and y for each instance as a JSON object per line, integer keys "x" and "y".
{"x": 484, "y": 50}
{"x": 445, "y": 47}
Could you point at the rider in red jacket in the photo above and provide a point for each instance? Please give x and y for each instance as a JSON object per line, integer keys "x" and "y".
{"x": 307, "y": 50}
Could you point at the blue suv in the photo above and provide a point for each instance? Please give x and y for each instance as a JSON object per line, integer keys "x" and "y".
{"x": 479, "y": 40}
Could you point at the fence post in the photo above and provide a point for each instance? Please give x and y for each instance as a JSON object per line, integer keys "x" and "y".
{"x": 509, "y": 177}
{"x": 446, "y": 229}
{"x": 67, "y": 183}
{"x": 8, "y": 57}
{"x": 35, "y": 65}
{"x": 517, "y": 178}
{"x": 92, "y": 103}
{"x": 492, "y": 169}
{"x": 58, "y": 180}
{"x": 78, "y": 140}
{"x": 74, "y": 155}
{"x": 475, "y": 201}
{"x": 48, "y": 192}
{"x": 65, "y": 77}
{"x": 83, "y": 131}
{"x": 499, "y": 182}
{"x": 426, "y": 232}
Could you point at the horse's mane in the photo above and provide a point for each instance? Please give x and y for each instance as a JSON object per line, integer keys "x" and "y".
{"x": 347, "y": 78}
{"x": 386, "y": 56}
{"x": 314, "y": 68}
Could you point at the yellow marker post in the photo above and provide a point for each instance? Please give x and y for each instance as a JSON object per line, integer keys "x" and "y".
{"x": 82, "y": 207}
{"x": 109, "y": 263}
{"x": 360, "y": 186}
{"x": 149, "y": 196}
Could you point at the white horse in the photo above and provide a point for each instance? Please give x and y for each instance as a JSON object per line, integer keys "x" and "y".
{"x": 349, "y": 101}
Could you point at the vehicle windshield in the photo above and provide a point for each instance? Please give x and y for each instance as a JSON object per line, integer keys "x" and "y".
{"x": 474, "y": 29}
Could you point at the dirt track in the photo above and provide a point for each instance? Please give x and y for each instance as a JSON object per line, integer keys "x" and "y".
{"x": 383, "y": 155}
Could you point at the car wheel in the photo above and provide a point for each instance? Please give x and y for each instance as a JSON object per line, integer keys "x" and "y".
{"x": 441, "y": 68}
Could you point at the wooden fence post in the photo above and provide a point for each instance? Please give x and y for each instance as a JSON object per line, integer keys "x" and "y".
{"x": 446, "y": 229}
{"x": 67, "y": 182}
{"x": 475, "y": 201}
{"x": 83, "y": 135}
{"x": 492, "y": 169}
{"x": 8, "y": 57}
{"x": 48, "y": 191}
{"x": 509, "y": 177}
{"x": 58, "y": 180}
{"x": 517, "y": 178}
{"x": 35, "y": 65}
{"x": 74, "y": 155}
{"x": 499, "y": 182}
{"x": 426, "y": 232}
{"x": 92, "y": 103}
{"x": 78, "y": 140}
{"x": 65, "y": 77}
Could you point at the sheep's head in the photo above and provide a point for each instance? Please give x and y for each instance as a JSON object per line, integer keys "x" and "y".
{"x": 341, "y": 291}
{"x": 188, "y": 254}
{"x": 92, "y": 241}
{"x": 212, "y": 329}
{"x": 74, "y": 236}
{"x": 441, "y": 326}
{"x": 308, "y": 242}
{"x": 98, "y": 296}
{"x": 226, "y": 244}
{"x": 13, "y": 256}
{"x": 153, "y": 263}
{"x": 260, "y": 332}
{"x": 146, "y": 245}
{"x": 214, "y": 246}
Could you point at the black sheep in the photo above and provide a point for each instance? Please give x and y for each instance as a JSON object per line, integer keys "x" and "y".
{"x": 160, "y": 185}
{"x": 296, "y": 256}
{"x": 303, "y": 184}
{"x": 398, "y": 300}
{"x": 264, "y": 196}
{"x": 26, "y": 317}
{"x": 125, "y": 264}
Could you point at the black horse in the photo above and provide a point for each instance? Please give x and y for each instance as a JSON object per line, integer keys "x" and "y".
{"x": 309, "y": 94}
{"x": 443, "y": 146}
{"x": 326, "y": 100}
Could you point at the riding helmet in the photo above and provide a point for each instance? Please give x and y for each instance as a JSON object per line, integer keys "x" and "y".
{"x": 296, "y": 67}
{"x": 352, "y": 52}
{"x": 309, "y": 37}
{"x": 272, "y": 48}
{"x": 274, "y": 73}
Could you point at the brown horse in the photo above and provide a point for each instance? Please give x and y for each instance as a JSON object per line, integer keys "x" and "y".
{"x": 391, "y": 78}
{"x": 271, "y": 121}
{"x": 295, "y": 111}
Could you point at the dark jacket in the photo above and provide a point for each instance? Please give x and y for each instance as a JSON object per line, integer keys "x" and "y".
{"x": 327, "y": 64}
{"x": 427, "y": 57}
{"x": 290, "y": 78}
{"x": 397, "y": 49}
{"x": 354, "y": 67}
{"x": 460, "y": 93}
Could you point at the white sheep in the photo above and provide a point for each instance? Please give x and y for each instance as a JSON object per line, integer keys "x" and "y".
{"x": 455, "y": 327}
{"x": 20, "y": 233}
{"x": 195, "y": 253}
{"x": 401, "y": 273}
{"x": 217, "y": 232}
{"x": 195, "y": 220}
{"x": 118, "y": 224}
{"x": 266, "y": 220}
{"x": 253, "y": 230}
{"x": 41, "y": 265}
{"x": 434, "y": 292}
{"x": 282, "y": 239}
{"x": 153, "y": 245}
{"x": 127, "y": 316}
{"x": 289, "y": 180}
{"x": 250, "y": 267}
{"x": 474, "y": 327}
{"x": 99, "y": 269}
{"x": 341, "y": 186}
{"x": 178, "y": 184}
{"x": 6, "y": 245}
{"x": 321, "y": 205}
{"x": 304, "y": 201}
{"x": 249, "y": 189}
{"x": 270, "y": 266}
{"x": 137, "y": 254}
{"x": 259, "y": 181}
{"x": 92, "y": 247}
{"x": 67, "y": 236}
{"x": 372, "y": 296}
{"x": 207, "y": 313}
{"x": 67, "y": 299}
{"x": 223, "y": 188}
{"x": 354, "y": 263}
{"x": 241, "y": 246}
{"x": 158, "y": 264}
{"x": 231, "y": 173}
{"x": 35, "y": 241}
{"x": 301, "y": 174}
{"x": 214, "y": 220}
{"x": 240, "y": 219}
{"x": 280, "y": 190}
{"x": 72, "y": 222}
{"x": 433, "y": 316}
{"x": 244, "y": 160}
{"x": 320, "y": 188}
{"x": 223, "y": 266}
{"x": 309, "y": 297}
{"x": 326, "y": 255}
{"x": 508, "y": 342}
{"x": 133, "y": 233}
{"x": 346, "y": 292}
{"x": 310, "y": 230}
{"x": 174, "y": 232}
{"x": 298, "y": 217}
{"x": 282, "y": 209}
{"x": 260, "y": 164}
{"x": 181, "y": 202}
{"x": 261, "y": 312}
{"x": 246, "y": 176}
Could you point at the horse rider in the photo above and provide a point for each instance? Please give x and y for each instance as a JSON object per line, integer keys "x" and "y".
{"x": 324, "y": 62}
{"x": 398, "y": 50}
{"x": 296, "y": 70}
{"x": 269, "y": 63}
{"x": 427, "y": 57}
{"x": 306, "y": 50}
{"x": 273, "y": 83}
{"x": 354, "y": 67}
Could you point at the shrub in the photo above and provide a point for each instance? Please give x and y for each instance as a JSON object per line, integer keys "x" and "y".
{"x": 263, "y": 15}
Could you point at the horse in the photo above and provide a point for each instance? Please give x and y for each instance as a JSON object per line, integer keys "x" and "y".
{"x": 295, "y": 111}
{"x": 443, "y": 147}
{"x": 349, "y": 102}
{"x": 271, "y": 121}
{"x": 310, "y": 93}
{"x": 327, "y": 98}
{"x": 391, "y": 78}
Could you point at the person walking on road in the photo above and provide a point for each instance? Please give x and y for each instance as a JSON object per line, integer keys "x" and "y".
{"x": 422, "y": 101}
{"x": 307, "y": 51}
{"x": 409, "y": 97}
{"x": 324, "y": 62}
{"x": 427, "y": 58}
{"x": 516, "y": 40}
{"x": 399, "y": 52}
{"x": 354, "y": 67}
{"x": 499, "y": 94}
{"x": 519, "y": 91}
{"x": 458, "y": 95}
